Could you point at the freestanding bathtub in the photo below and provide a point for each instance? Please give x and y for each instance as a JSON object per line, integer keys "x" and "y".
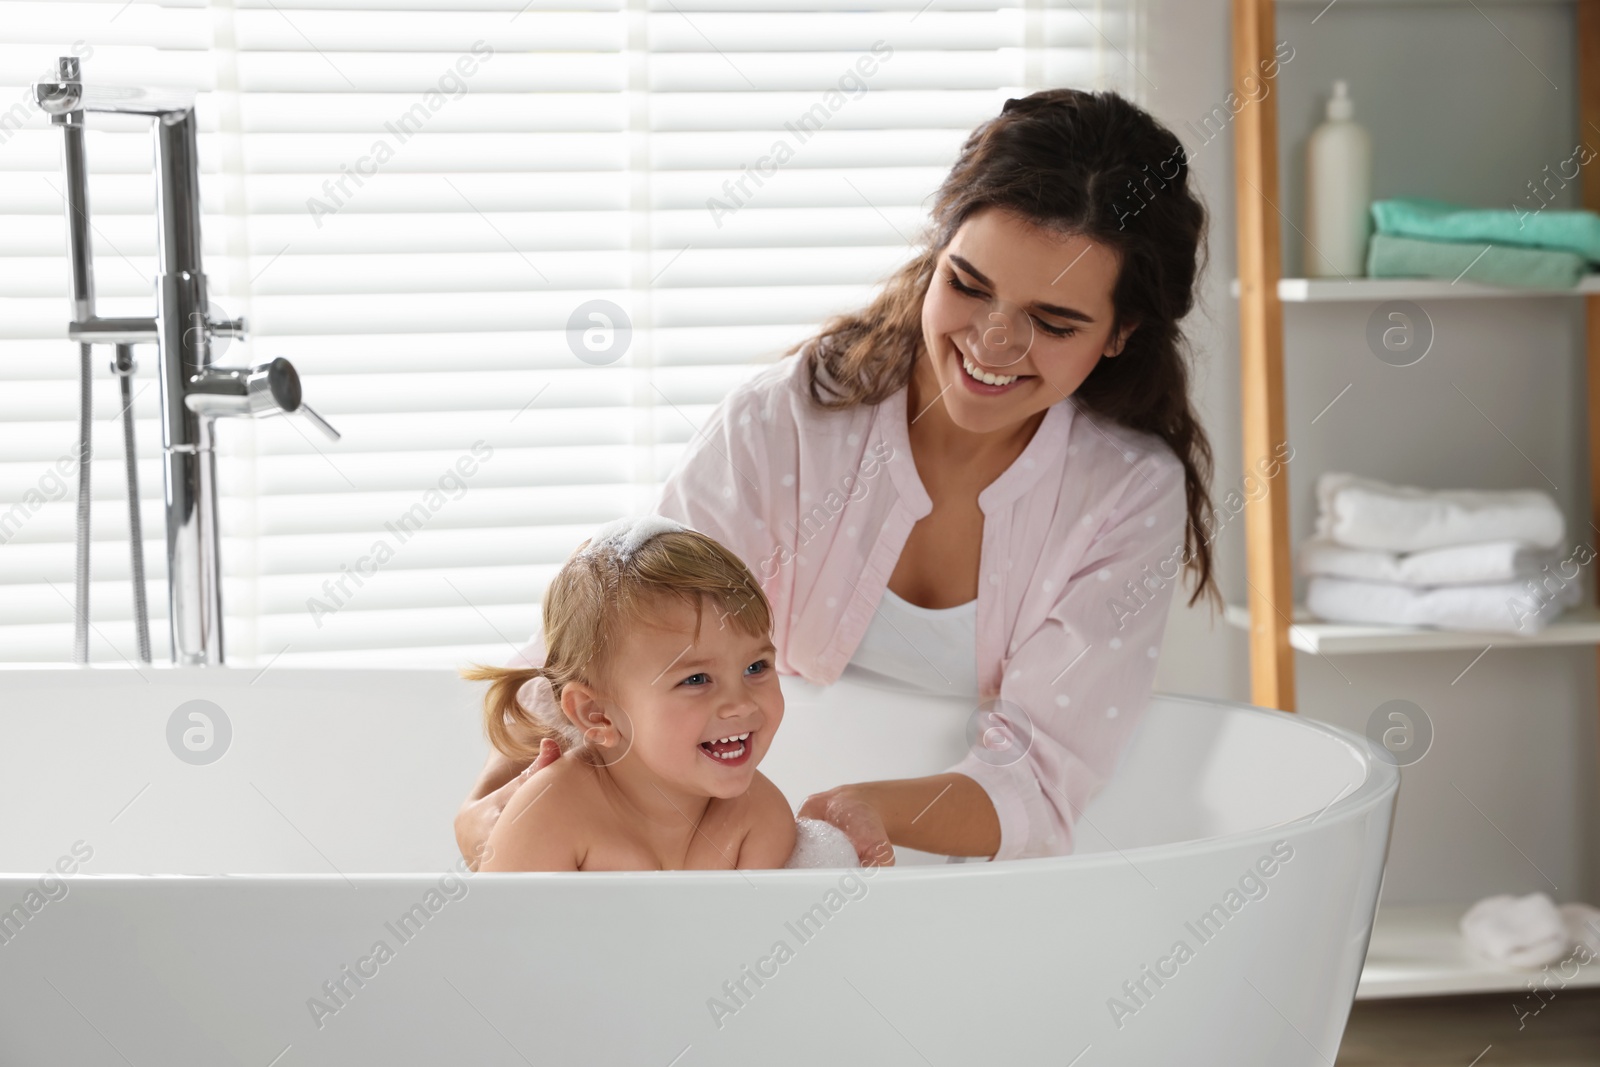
{"x": 276, "y": 883}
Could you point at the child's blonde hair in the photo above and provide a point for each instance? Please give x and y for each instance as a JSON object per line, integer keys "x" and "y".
{"x": 600, "y": 590}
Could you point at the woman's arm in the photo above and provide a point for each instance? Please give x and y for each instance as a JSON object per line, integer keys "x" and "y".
{"x": 948, "y": 814}
{"x": 1070, "y": 696}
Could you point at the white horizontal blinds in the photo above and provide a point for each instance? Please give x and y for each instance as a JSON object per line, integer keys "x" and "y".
{"x": 415, "y": 199}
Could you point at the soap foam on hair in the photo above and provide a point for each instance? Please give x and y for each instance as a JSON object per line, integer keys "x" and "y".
{"x": 625, "y": 536}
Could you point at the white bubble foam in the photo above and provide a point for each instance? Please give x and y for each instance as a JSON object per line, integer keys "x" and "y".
{"x": 821, "y": 844}
{"x": 624, "y": 536}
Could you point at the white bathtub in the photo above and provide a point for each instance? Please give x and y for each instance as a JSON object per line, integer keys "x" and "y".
{"x": 210, "y": 903}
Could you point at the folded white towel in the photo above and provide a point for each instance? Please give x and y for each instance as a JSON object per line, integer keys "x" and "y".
{"x": 1504, "y": 607}
{"x": 1583, "y": 925}
{"x": 1526, "y": 932}
{"x": 821, "y": 844}
{"x": 1479, "y": 563}
{"x": 1367, "y": 513}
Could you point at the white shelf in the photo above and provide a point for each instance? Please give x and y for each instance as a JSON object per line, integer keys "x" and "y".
{"x": 1576, "y": 626}
{"x": 1331, "y": 290}
{"x": 1418, "y": 951}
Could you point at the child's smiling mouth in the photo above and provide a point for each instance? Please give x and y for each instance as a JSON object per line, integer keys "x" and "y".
{"x": 728, "y": 751}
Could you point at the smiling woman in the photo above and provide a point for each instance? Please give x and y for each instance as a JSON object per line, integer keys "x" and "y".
{"x": 1022, "y": 383}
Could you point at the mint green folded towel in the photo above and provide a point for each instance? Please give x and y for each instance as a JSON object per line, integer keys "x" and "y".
{"x": 1408, "y": 257}
{"x": 1415, "y": 216}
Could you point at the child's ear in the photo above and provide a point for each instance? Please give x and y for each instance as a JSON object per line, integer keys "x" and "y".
{"x": 586, "y": 710}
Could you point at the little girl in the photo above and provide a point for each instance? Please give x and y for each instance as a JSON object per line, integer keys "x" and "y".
{"x": 659, "y": 659}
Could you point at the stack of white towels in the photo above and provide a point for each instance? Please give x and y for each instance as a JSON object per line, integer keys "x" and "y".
{"x": 1453, "y": 559}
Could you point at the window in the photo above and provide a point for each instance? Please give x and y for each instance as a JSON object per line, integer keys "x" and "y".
{"x": 418, "y": 205}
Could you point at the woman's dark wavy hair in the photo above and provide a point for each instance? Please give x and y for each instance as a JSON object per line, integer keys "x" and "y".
{"x": 1071, "y": 162}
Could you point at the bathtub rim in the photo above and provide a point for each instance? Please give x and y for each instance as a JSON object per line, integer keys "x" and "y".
{"x": 1379, "y": 785}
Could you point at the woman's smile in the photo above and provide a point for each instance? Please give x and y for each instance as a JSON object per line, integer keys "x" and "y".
{"x": 998, "y": 382}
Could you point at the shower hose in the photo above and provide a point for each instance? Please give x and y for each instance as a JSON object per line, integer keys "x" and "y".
{"x": 123, "y": 367}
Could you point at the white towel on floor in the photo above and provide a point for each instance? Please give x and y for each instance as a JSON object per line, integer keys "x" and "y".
{"x": 1368, "y": 513}
{"x": 1522, "y": 608}
{"x": 1531, "y": 931}
{"x": 1526, "y": 932}
{"x": 1480, "y": 563}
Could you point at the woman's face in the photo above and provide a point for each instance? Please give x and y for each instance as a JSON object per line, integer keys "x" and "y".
{"x": 1028, "y": 309}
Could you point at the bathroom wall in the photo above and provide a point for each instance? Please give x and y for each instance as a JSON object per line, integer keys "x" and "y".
{"x": 1465, "y": 104}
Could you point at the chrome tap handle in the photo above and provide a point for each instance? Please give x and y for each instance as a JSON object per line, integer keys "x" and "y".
{"x": 319, "y": 422}
{"x": 260, "y": 391}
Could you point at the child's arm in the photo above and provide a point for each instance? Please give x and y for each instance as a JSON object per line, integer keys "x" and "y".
{"x": 538, "y": 830}
{"x": 770, "y": 834}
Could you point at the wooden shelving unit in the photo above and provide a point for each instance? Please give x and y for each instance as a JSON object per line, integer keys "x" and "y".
{"x": 1414, "y": 950}
{"x": 1276, "y": 625}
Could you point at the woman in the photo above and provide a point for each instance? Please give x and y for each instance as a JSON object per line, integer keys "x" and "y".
{"x": 998, "y": 455}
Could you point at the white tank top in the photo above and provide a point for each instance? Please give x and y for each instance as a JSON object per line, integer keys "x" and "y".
{"x": 923, "y": 650}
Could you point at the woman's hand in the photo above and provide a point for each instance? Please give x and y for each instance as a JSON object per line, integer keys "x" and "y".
{"x": 482, "y": 808}
{"x": 859, "y": 820}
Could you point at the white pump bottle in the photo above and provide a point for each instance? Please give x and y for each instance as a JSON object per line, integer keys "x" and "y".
{"x": 1338, "y": 192}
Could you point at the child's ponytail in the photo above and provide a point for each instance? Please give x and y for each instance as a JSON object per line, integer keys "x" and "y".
{"x": 512, "y": 728}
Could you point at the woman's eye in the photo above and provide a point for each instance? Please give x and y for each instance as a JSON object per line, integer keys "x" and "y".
{"x": 1056, "y": 331}
{"x": 1053, "y": 331}
{"x": 760, "y": 666}
{"x": 702, "y": 676}
{"x": 962, "y": 289}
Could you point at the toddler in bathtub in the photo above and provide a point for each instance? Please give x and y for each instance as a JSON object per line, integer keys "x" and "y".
{"x": 660, "y": 661}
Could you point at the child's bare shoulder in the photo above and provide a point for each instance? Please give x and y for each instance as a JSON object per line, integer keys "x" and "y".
{"x": 544, "y": 827}
{"x": 769, "y": 826}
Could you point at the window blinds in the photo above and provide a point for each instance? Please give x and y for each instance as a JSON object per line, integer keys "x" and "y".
{"x": 434, "y": 211}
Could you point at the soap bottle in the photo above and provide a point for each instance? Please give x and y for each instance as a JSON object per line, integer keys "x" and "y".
{"x": 1338, "y": 192}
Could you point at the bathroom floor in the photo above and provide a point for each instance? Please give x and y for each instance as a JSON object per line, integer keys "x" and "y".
{"x": 1476, "y": 1031}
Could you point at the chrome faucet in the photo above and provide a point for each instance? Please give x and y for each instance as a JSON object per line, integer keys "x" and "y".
{"x": 193, "y": 392}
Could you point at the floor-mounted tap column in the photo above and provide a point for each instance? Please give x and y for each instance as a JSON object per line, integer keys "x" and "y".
{"x": 194, "y": 601}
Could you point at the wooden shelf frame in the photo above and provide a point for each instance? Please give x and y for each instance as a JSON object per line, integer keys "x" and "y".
{"x": 1262, "y": 289}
